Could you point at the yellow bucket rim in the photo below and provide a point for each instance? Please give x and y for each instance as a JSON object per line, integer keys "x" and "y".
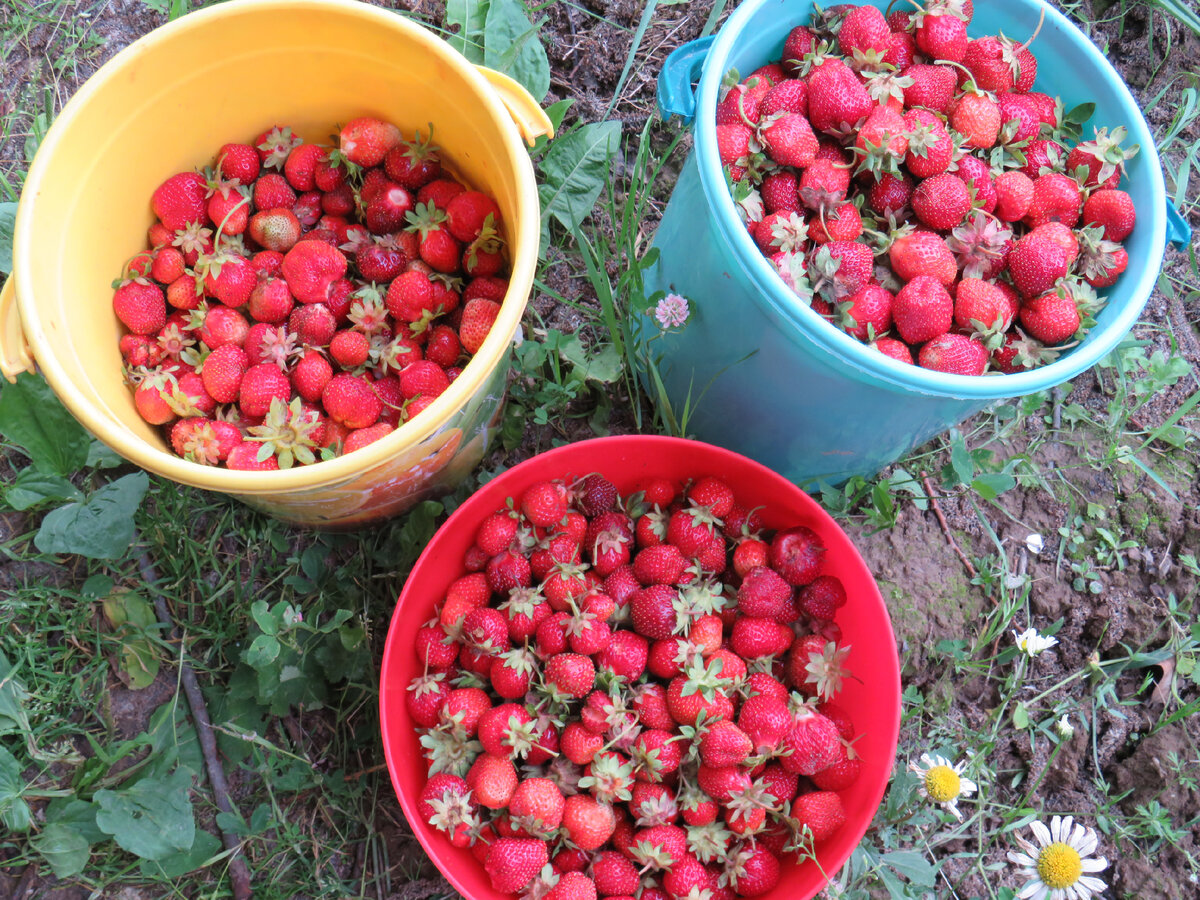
{"x": 434, "y": 417}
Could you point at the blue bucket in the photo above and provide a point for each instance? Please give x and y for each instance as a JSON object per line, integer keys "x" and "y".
{"x": 810, "y": 401}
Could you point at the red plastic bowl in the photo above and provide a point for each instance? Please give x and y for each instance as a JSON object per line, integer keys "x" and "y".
{"x": 872, "y": 697}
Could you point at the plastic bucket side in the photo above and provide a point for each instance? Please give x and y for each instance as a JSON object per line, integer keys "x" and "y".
{"x": 162, "y": 105}
{"x": 899, "y": 405}
{"x": 872, "y": 702}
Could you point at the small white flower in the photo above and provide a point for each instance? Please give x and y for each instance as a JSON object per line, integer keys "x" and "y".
{"x": 671, "y": 311}
{"x": 1031, "y": 643}
{"x": 1059, "y": 866}
{"x": 1035, "y": 544}
{"x": 1063, "y": 728}
{"x": 942, "y": 782}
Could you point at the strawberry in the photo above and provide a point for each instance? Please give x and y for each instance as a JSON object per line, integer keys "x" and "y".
{"x": 1113, "y": 210}
{"x": 864, "y": 34}
{"x": 813, "y": 741}
{"x": 724, "y": 744}
{"x": 311, "y": 268}
{"x": 824, "y": 184}
{"x": 478, "y": 316}
{"x": 932, "y": 88}
{"x": 977, "y": 175}
{"x": 260, "y": 384}
{"x": 469, "y": 213}
{"x": 512, "y": 863}
{"x": 223, "y": 371}
{"x": 181, "y": 200}
{"x": 238, "y": 162}
{"x": 1102, "y": 157}
{"x": 866, "y": 312}
{"x": 586, "y": 823}
{"x": 140, "y": 305}
{"x": 890, "y": 195}
{"x": 244, "y": 457}
{"x": 837, "y": 100}
{"x": 1043, "y": 156}
{"x": 798, "y": 44}
{"x": 388, "y": 208}
{"x": 1055, "y": 198}
{"x": 893, "y": 349}
{"x": 425, "y": 697}
{"x": 955, "y": 354}
{"x": 754, "y": 871}
{"x": 1052, "y": 317}
{"x": 270, "y": 301}
{"x": 275, "y": 229}
{"x": 351, "y": 401}
{"x": 942, "y": 37}
{"x": 743, "y": 102}
{"x": 821, "y": 812}
{"x": 754, "y": 638}
{"x": 227, "y": 277}
{"x": 976, "y": 116}
{"x": 923, "y": 310}
{"x": 1014, "y": 192}
{"x": 788, "y": 139}
{"x": 573, "y": 886}
{"x": 544, "y": 503}
{"x": 765, "y": 720}
{"x": 881, "y": 142}
{"x": 763, "y": 594}
{"x": 842, "y": 223}
{"x": 1037, "y": 261}
{"x": 310, "y": 375}
{"x": 789, "y": 95}
{"x": 923, "y": 254}
{"x": 941, "y": 201}
{"x": 366, "y": 141}
{"x": 659, "y": 565}
{"x": 204, "y": 441}
{"x": 572, "y": 674}
{"x": 271, "y": 191}
{"x": 982, "y": 306}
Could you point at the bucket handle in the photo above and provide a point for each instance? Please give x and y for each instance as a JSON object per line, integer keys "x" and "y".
{"x": 1179, "y": 232}
{"x": 531, "y": 120}
{"x": 676, "y": 96}
{"x": 15, "y": 357}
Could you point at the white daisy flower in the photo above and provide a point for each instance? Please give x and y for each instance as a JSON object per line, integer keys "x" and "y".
{"x": 1060, "y": 866}
{"x": 942, "y": 782}
{"x": 1031, "y": 643}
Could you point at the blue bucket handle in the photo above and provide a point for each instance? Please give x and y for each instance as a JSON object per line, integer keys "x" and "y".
{"x": 676, "y": 95}
{"x": 1179, "y": 232}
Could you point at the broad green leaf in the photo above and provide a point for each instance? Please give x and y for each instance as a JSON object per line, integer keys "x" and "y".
{"x": 151, "y": 819}
{"x": 204, "y": 848}
{"x": 101, "y": 457}
{"x": 470, "y": 16}
{"x": 991, "y": 485}
{"x": 913, "y": 866}
{"x": 64, "y": 848}
{"x": 14, "y": 811}
{"x": 555, "y": 112}
{"x": 574, "y": 171}
{"x": 32, "y": 417}
{"x": 173, "y": 739}
{"x": 960, "y": 458}
{"x": 76, "y": 814}
{"x": 31, "y": 488}
{"x": 8, "y": 218}
{"x": 263, "y": 618}
{"x": 604, "y": 366}
{"x": 262, "y": 651}
{"x": 1021, "y": 716}
{"x": 129, "y": 608}
{"x": 101, "y": 527}
{"x": 139, "y": 662}
{"x": 511, "y": 45}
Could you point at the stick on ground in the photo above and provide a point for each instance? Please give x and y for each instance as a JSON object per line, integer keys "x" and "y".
{"x": 239, "y": 873}
{"x": 941, "y": 517}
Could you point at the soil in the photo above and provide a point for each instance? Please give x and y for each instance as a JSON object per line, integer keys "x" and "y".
{"x": 925, "y": 582}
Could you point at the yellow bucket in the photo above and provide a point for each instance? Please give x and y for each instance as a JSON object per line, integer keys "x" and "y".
{"x": 163, "y": 105}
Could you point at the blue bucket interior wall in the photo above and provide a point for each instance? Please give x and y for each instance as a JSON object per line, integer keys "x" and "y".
{"x": 779, "y": 383}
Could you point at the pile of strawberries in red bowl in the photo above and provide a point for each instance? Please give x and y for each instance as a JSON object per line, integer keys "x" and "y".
{"x": 639, "y": 666}
{"x": 905, "y": 179}
{"x": 300, "y": 300}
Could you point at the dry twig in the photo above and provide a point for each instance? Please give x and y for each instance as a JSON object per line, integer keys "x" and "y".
{"x": 941, "y": 517}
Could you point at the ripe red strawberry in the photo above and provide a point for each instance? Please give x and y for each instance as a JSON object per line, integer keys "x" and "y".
{"x": 763, "y": 594}
{"x": 388, "y": 208}
{"x": 842, "y": 223}
{"x": 573, "y": 674}
{"x": 244, "y": 457}
{"x": 932, "y": 88}
{"x": 1113, "y": 210}
{"x": 837, "y": 100}
{"x": 512, "y": 863}
{"x": 181, "y": 200}
{"x": 661, "y": 564}
{"x": 271, "y": 191}
{"x": 1043, "y": 156}
{"x": 941, "y": 201}
{"x": 260, "y": 385}
{"x": 366, "y": 141}
{"x": 788, "y": 139}
{"x": 544, "y": 503}
{"x": 923, "y": 310}
{"x": 796, "y": 554}
{"x": 923, "y": 254}
{"x": 780, "y": 193}
{"x": 893, "y": 349}
{"x": 351, "y": 401}
{"x": 942, "y": 37}
{"x": 1052, "y": 317}
{"x": 141, "y": 306}
{"x": 204, "y": 441}
{"x": 311, "y": 268}
{"x": 586, "y": 823}
{"x": 981, "y": 306}
{"x": 1102, "y": 158}
{"x": 1056, "y": 198}
{"x": 755, "y": 871}
{"x": 724, "y": 744}
{"x": 976, "y": 116}
{"x": 890, "y": 195}
{"x": 977, "y": 175}
{"x": 822, "y": 812}
{"x": 813, "y": 741}
{"x": 478, "y": 316}
{"x": 1014, "y": 192}
{"x": 798, "y": 44}
{"x": 238, "y": 162}
{"x": 955, "y": 354}
{"x": 1037, "y": 261}
{"x": 789, "y": 95}
{"x": 864, "y": 34}
{"x": 223, "y": 371}
{"x": 743, "y": 102}
{"x": 753, "y": 638}
{"x": 469, "y": 212}
{"x": 867, "y": 312}
{"x": 823, "y": 185}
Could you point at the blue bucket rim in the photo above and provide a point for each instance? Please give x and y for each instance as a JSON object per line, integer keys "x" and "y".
{"x": 1100, "y": 341}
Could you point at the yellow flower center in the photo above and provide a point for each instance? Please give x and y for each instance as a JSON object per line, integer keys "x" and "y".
{"x": 942, "y": 784}
{"x": 1059, "y": 866}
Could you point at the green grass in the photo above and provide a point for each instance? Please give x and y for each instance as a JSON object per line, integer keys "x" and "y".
{"x": 317, "y": 814}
